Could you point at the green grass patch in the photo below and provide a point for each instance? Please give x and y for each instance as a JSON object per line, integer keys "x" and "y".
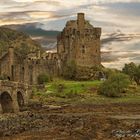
{"x": 82, "y": 92}
{"x": 69, "y": 89}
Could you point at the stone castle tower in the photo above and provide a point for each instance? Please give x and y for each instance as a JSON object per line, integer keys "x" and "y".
{"x": 80, "y": 42}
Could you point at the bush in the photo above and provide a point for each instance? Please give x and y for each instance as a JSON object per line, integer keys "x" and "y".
{"x": 3, "y": 77}
{"x": 133, "y": 71}
{"x": 115, "y": 85}
{"x": 69, "y": 71}
{"x": 43, "y": 78}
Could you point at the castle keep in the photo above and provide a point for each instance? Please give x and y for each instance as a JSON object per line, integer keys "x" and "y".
{"x": 79, "y": 42}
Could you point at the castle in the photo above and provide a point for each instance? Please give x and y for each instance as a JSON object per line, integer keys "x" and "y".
{"x": 79, "y": 42}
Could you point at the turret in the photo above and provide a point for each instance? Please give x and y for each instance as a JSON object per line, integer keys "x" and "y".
{"x": 81, "y": 21}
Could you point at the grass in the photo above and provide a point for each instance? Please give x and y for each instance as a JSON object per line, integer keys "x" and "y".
{"x": 81, "y": 92}
{"x": 68, "y": 86}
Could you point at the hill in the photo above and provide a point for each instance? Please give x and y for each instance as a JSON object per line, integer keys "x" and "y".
{"x": 9, "y": 37}
{"x": 47, "y": 38}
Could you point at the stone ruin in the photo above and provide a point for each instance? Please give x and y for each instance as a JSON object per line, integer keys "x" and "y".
{"x": 79, "y": 42}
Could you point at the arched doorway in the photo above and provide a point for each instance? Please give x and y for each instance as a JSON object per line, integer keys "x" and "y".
{"x": 6, "y": 103}
{"x": 20, "y": 100}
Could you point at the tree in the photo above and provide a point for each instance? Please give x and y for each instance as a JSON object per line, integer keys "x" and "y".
{"x": 137, "y": 75}
{"x": 23, "y": 50}
{"x": 130, "y": 69}
{"x": 114, "y": 85}
{"x": 43, "y": 78}
{"x": 133, "y": 71}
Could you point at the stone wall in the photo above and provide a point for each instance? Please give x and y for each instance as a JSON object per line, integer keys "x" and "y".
{"x": 13, "y": 96}
{"x": 79, "y": 42}
{"x": 28, "y": 69}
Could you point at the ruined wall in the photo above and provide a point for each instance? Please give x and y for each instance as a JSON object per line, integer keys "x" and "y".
{"x": 88, "y": 48}
{"x": 28, "y": 69}
{"x": 80, "y": 42}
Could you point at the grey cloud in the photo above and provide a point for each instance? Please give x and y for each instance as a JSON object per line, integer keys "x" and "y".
{"x": 14, "y": 16}
{"x": 52, "y": 2}
{"x": 7, "y": 1}
{"x": 120, "y": 37}
{"x": 116, "y": 56}
{"x": 127, "y": 9}
{"x": 31, "y": 5}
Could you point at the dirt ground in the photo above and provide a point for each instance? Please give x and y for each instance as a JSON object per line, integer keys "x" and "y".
{"x": 120, "y": 121}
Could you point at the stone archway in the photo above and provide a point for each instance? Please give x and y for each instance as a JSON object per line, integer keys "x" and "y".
{"x": 20, "y": 100}
{"x": 6, "y": 103}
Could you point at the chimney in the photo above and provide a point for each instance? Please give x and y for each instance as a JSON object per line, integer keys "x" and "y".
{"x": 81, "y": 20}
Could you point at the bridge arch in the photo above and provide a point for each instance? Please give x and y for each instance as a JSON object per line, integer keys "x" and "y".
{"x": 6, "y": 102}
{"x": 20, "y": 99}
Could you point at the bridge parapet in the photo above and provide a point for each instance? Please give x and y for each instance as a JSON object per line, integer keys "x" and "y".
{"x": 7, "y": 83}
{"x": 17, "y": 93}
{"x": 13, "y": 84}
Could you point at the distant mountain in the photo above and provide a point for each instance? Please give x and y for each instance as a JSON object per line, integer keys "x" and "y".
{"x": 47, "y": 38}
{"x": 33, "y": 29}
{"x": 19, "y": 40}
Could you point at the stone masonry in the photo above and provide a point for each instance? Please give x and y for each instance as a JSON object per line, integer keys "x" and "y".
{"x": 80, "y": 42}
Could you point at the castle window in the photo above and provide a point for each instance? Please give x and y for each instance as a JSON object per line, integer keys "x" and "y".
{"x": 74, "y": 31}
{"x": 12, "y": 72}
{"x": 46, "y": 57}
{"x": 87, "y": 30}
{"x": 78, "y": 33}
{"x": 83, "y": 49}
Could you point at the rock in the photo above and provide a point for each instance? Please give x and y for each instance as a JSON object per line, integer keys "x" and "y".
{"x": 52, "y": 107}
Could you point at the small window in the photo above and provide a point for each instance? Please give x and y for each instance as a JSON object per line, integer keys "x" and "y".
{"x": 74, "y": 31}
{"x": 83, "y": 49}
{"x": 78, "y": 33}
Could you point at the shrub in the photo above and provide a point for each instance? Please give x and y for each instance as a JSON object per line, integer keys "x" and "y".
{"x": 115, "y": 85}
{"x": 133, "y": 71}
{"x": 69, "y": 71}
{"x": 3, "y": 77}
{"x": 43, "y": 78}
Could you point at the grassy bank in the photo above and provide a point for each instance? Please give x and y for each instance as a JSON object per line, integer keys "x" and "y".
{"x": 85, "y": 92}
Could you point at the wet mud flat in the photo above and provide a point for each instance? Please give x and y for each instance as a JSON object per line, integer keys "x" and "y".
{"x": 73, "y": 122}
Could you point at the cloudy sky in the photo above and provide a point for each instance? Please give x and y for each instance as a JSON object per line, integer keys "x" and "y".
{"x": 119, "y": 19}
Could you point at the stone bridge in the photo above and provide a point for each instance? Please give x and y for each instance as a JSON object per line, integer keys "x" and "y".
{"x": 13, "y": 96}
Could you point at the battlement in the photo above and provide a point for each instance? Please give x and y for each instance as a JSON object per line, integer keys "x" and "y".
{"x": 81, "y": 16}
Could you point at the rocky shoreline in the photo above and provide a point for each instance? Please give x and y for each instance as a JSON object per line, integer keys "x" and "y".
{"x": 60, "y": 122}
